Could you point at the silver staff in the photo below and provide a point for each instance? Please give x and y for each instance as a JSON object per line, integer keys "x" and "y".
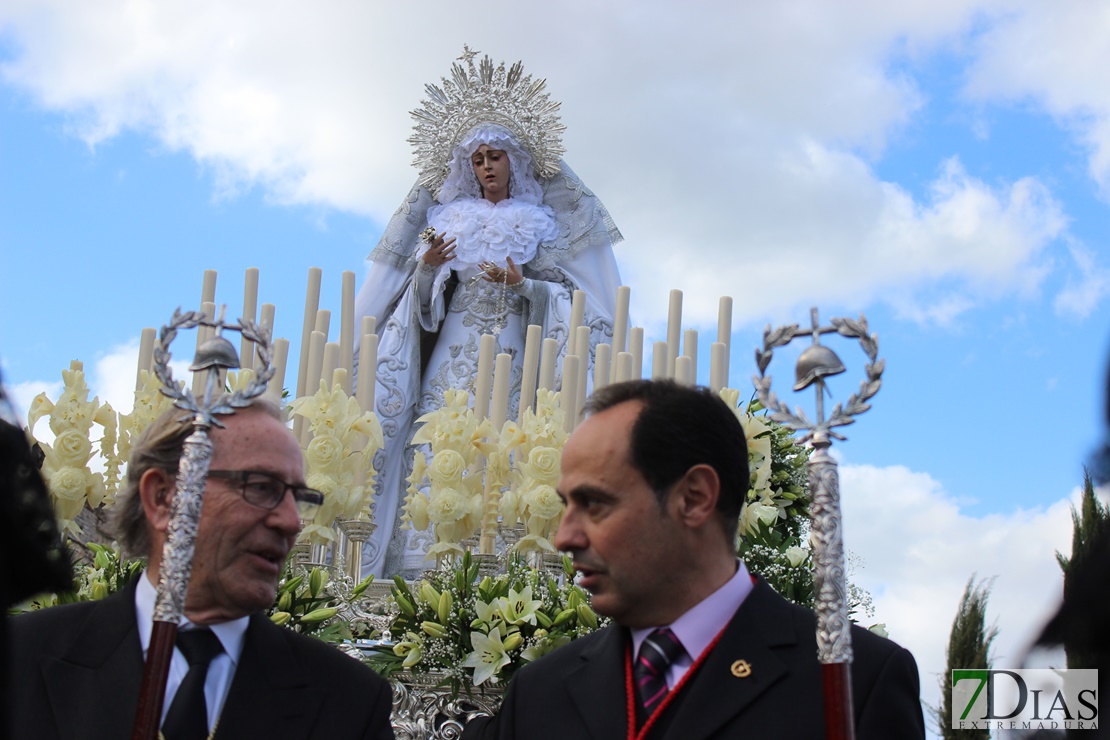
{"x": 834, "y": 639}
{"x": 215, "y": 356}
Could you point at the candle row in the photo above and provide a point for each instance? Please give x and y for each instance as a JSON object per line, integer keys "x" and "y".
{"x": 622, "y": 360}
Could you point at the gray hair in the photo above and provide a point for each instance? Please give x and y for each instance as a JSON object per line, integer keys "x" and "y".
{"x": 159, "y": 447}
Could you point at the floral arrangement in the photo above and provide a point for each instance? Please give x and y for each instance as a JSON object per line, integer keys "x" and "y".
{"x": 339, "y": 458}
{"x": 774, "y": 523}
{"x": 454, "y": 503}
{"x": 313, "y": 605}
{"x": 475, "y": 633}
{"x": 478, "y": 475}
{"x": 72, "y": 483}
{"x": 150, "y": 403}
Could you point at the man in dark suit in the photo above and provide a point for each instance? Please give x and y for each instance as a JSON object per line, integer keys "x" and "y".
{"x": 77, "y": 669}
{"x": 653, "y": 482}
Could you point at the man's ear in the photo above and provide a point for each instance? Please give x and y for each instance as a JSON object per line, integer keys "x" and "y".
{"x": 698, "y": 492}
{"x": 156, "y": 489}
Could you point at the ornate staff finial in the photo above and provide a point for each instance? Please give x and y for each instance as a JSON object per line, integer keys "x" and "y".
{"x": 817, "y": 362}
{"x": 215, "y": 356}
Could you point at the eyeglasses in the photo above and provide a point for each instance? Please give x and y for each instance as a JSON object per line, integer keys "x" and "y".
{"x": 266, "y": 491}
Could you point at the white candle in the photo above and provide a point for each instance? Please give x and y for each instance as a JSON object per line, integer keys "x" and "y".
{"x": 569, "y": 395}
{"x": 208, "y": 288}
{"x": 323, "y": 322}
{"x": 330, "y": 363}
{"x": 548, "y": 355}
{"x": 339, "y": 377}
{"x": 200, "y": 379}
{"x": 577, "y": 311}
{"x": 316, "y": 342}
{"x": 367, "y": 371}
{"x": 347, "y": 328}
{"x": 311, "y": 305}
{"x": 620, "y": 326}
{"x": 624, "y": 367}
{"x": 499, "y": 407}
{"x": 266, "y": 318}
{"x": 717, "y": 367}
{"x": 250, "y": 310}
{"x": 369, "y": 325}
{"x": 659, "y": 361}
{"x": 674, "y": 330}
{"x": 582, "y": 352}
{"x": 690, "y": 349}
{"x": 683, "y": 370}
{"x": 277, "y": 382}
{"x": 601, "y": 366}
{"x": 484, "y": 379}
{"x": 146, "y": 355}
{"x": 724, "y": 333}
{"x": 532, "y": 342}
{"x": 636, "y": 347}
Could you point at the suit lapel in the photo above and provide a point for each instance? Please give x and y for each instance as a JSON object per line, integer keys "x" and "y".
{"x": 100, "y": 675}
{"x": 269, "y": 696}
{"x": 597, "y": 686}
{"x": 716, "y": 695}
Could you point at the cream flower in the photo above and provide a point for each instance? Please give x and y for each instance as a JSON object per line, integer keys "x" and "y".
{"x": 418, "y": 512}
{"x": 446, "y": 469}
{"x": 448, "y": 505}
{"x": 324, "y": 453}
{"x": 519, "y": 606}
{"x": 796, "y": 556}
{"x": 489, "y": 656}
{"x": 72, "y": 448}
{"x": 543, "y": 465}
{"x": 544, "y": 502}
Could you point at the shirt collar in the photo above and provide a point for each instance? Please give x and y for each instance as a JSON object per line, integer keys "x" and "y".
{"x": 230, "y": 634}
{"x": 696, "y": 628}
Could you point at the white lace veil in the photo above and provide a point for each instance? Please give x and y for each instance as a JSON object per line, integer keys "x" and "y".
{"x": 461, "y": 182}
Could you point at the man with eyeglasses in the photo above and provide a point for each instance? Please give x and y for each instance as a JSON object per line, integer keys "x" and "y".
{"x": 77, "y": 669}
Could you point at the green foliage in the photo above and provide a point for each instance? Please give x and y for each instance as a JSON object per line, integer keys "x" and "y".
{"x": 107, "y": 573}
{"x": 472, "y": 631}
{"x": 1088, "y": 522}
{"x": 306, "y": 604}
{"x": 969, "y": 645}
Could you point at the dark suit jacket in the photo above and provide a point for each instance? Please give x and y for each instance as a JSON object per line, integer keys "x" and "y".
{"x": 76, "y": 672}
{"x": 578, "y": 691}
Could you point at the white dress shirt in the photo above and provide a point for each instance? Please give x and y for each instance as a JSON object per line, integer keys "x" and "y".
{"x": 220, "y": 671}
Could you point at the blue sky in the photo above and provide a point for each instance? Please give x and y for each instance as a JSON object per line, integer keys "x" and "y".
{"x": 923, "y": 164}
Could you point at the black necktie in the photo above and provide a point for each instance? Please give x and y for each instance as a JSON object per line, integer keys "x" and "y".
{"x": 188, "y": 715}
{"x": 657, "y": 652}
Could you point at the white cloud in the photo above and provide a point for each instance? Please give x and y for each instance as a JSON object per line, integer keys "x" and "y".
{"x": 1081, "y": 294}
{"x": 919, "y": 547}
{"x": 732, "y": 144}
{"x": 1053, "y": 55}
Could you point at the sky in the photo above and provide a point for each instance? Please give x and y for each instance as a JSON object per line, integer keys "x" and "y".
{"x": 942, "y": 167}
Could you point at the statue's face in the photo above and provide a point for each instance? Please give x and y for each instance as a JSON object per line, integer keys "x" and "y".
{"x": 491, "y": 167}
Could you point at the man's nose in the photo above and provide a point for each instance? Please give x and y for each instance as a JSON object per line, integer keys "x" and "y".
{"x": 284, "y": 517}
{"x": 569, "y": 536}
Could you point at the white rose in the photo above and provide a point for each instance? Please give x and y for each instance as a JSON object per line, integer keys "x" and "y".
{"x": 72, "y": 448}
{"x": 795, "y": 556}
{"x": 446, "y": 468}
{"x": 324, "y": 453}
{"x": 543, "y": 465}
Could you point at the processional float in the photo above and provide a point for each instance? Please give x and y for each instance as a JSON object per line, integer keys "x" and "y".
{"x": 817, "y": 362}
{"x": 215, "y": 356}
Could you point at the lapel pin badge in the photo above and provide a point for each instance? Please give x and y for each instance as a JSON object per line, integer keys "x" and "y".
{"x": 741, "y": 669}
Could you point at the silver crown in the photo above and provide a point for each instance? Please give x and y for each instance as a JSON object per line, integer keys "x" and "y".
{"x": 478, "y": 94}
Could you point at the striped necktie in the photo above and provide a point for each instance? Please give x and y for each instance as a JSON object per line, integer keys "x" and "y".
{"x": 657, "y": 652}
